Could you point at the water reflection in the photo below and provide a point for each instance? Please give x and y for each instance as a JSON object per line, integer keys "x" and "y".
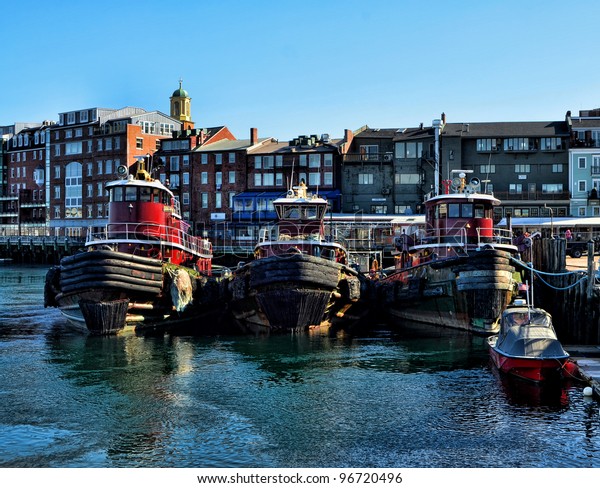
{"x": 399, "y": 396}
{"x": 553, "y": 396}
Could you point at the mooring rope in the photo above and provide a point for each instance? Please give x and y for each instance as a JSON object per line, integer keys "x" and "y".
{"x": 539, "y": 274}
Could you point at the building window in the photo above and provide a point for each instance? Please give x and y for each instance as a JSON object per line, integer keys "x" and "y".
{"x": 486, "y": 169}
{"x": 186, "y": 199}
{"x": 582, "y": 185}
{"x": 231, "y": 177}
{"x": 595, "y": 165}
{"x": 557, "y": 168}
{"x": 406, "y": 150}
{"x": 518, "y": 144}
{"x": 73, "y": 188}
{"x": 57, "y": 171}
{"x": 204, "y": 178}
{"x": 487, "y": 145}
{"x": 218, "y": 179}
{"x": 257, "y": 162}
{"x": 279, "y": 161}
{"x": 71, "y": 118}
{"x": 258, "y": 179}
{"x": 581, "y": 163}
{"x": 186, "y": 178}
{"x": 551, "y": 143}
{"x": 186, "y": 159}
{"x": 73, "y": 148}
{"x": 268, "y": 162}
{"x": 204, "y": 200}
{"x": 379, "y": 209}
{"x": 99, "y": 144}
{"x": 204, "y": 158}
{"x": 83, "y": 116}
{"x": 522, "y": 168}
{"x": 302, "y": 160}
{"x": 218, "y": 158}
{"x": 174, "y": 163}
{"x": 278, "y": 179}
{"x": 552, "y": 188}
{"x": 515, "y": 188}
{"x": 328, "y": 178}
{"x": 231, "y": 158}
{"x": 407, "y": 178}
{"x": 314, "y": 161}
{"x": 314, "y": 179}
{"x": 581, "y": 211}
{"x": 268, "y": 179}
{"x": 365, "y": 178}
{"x": 328, "y": 160}
{"x": 139, "y": 143}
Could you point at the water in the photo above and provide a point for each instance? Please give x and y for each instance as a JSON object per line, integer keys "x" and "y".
{"x": 389, "y": 399}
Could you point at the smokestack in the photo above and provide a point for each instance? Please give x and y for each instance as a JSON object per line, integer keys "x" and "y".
{"x": 253, "y": 136}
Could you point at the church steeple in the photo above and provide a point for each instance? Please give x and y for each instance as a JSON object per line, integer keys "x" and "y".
{"x": 181, "y": 104}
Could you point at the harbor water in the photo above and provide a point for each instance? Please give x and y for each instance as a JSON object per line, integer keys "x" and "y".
{"x": 403, "y": 397}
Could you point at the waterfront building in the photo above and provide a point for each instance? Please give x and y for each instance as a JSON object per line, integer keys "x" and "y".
{"x": 389, "y": 171}
{"x": 23, "y": 204}
{"x": 584, "y": 163}
{"x": 86, "y": 148}
{"x": 525, "y": 164}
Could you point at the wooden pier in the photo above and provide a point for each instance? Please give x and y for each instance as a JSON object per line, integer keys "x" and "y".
{"x": 37, "y": 249}
{"x": 572, "y": 297}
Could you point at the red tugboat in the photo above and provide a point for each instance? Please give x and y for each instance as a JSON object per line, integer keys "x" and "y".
{"x": 299, "y": 278}
{"x": 527, "y": 347}
{"x": 458, "y": 272}
{"x": 143, "y": 269}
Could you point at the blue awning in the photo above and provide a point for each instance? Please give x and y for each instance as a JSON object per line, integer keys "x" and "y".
{"x": 330, "y": 195}
{"x": 261, "y": 194}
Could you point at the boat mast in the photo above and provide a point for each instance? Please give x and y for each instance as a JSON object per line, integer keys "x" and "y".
{"x": 437, "y": 125}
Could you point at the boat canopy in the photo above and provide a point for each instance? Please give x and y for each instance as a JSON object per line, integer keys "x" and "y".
{"x": 529, "y": 333}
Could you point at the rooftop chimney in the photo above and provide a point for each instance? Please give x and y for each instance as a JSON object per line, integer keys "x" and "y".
{"x": 253, "y": 136}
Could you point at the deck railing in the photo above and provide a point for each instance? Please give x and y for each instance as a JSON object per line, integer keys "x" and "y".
{"x": 150, "y": 234}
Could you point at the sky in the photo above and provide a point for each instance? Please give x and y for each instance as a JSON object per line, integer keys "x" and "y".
{"x": 302, "y": 67}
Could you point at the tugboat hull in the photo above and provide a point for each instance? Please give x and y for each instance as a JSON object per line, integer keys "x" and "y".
{"x": 291, "y": 292}
{"x": 106, "y": 291}
{"x": 462, "y": 293}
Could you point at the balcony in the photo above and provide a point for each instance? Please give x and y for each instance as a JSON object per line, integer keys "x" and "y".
{"x": 523, "y": 150}
{"x": 371, "y": 158}
{"x": 589, "y": 143}
{"x": 505, "y": 196}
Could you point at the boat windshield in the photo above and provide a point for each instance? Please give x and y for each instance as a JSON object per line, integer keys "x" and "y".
{"x": 523, "y": 317}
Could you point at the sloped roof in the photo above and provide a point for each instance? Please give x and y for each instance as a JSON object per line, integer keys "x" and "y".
{"x": 507, "y": 129}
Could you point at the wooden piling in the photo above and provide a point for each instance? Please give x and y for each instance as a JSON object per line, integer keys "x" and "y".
{"x": 572, "y": 299}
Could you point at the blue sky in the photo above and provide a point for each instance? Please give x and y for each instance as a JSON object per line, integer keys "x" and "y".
{"x": 310, "y": 67}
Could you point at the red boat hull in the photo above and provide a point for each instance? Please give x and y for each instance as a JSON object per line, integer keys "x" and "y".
{"x": 533, "y": 369}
